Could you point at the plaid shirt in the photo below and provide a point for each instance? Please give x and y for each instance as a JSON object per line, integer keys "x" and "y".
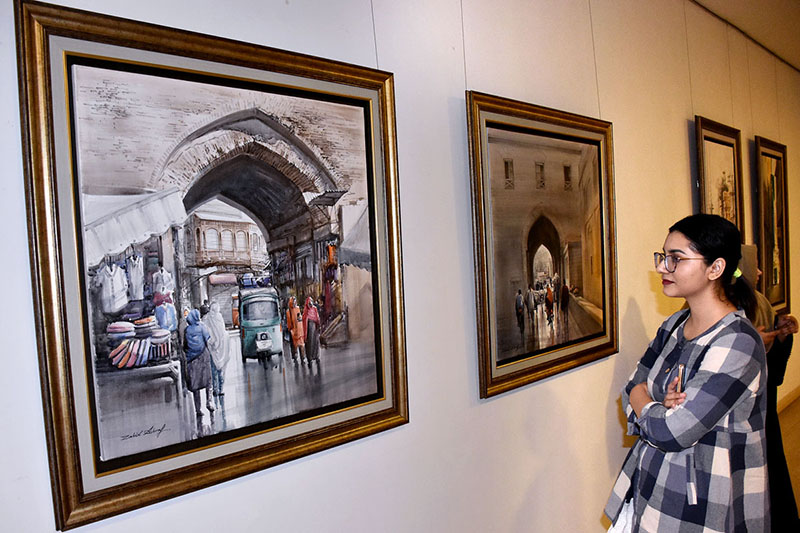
{"x": 701, "y": 466}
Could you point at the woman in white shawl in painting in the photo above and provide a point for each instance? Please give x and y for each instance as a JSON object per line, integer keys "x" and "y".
{"x": 218, "y": 346}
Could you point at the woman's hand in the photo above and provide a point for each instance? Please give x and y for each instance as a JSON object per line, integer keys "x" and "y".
{"x": 673, "y": 397}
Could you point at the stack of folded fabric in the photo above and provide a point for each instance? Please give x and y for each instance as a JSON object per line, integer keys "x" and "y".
{"x": 118, "y": 331}
{"x": 144, "y": 327}
{"x": 137, "y": 344}
{"x": 159, "y": 340}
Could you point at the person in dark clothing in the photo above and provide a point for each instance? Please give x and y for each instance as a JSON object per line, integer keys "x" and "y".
{"x": 519, "y": 308}
{"x": 777, "y": 333}
{"x": 198, "y": 361}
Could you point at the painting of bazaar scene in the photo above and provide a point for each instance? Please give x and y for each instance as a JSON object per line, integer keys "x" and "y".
{"x": 226, "y": 252}
{"x": 547, "y": 241}
{"x": 720, "y": 180}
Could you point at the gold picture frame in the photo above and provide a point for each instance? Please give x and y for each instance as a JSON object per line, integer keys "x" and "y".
{"x": 149, "y": 123}
{"x": 544, "y": 240}
{"x": 719, "y": 162}
{"x": 773, "y": 223}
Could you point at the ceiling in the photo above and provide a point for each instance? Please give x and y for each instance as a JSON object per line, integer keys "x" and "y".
{"x": 775, "y": 24}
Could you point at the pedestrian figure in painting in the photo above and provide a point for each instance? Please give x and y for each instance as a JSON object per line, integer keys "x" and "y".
{"x": 548, "y": 305}
{"x": 294, "y": 322}
{"x": 565, "y": 309}
{"x": 218, "y": 344}
{"x": 530, "y": 304}
{"x": 519, "y": 309}
{"x": 198, "y": 361}
{"x": 311, "y": 326}
{"x": 697, "y": 399}
{"x": 777, "y": 333}
{"x": 556, "y": 291}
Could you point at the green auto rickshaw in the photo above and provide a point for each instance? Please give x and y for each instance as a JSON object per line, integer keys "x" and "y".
{"x": 260, "y": 323}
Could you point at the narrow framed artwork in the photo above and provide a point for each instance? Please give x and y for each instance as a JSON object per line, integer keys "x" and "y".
{"x": 545, "y": 252}
{"x": 773, "y": 227}
{"x": 719, "y": 161}
{"x": 215, "y": 245}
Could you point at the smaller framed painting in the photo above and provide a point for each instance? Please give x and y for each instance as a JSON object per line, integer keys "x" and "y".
{"x": 719, "y": 160}
{"x": 773, "y": 230}
{"x": 545, "y": 257}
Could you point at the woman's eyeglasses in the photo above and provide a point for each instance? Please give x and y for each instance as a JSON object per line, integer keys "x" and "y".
{"x": 671, "y": 261}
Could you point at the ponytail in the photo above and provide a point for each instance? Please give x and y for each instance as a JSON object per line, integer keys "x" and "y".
{"x": 741, "y": 294}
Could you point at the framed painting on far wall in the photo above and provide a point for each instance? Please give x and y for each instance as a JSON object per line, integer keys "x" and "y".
{"x": 772, "y": 223}
{"x": 545, "y": 257}
{"x": 190, "y": 194}
{"x": 719, "y": 161}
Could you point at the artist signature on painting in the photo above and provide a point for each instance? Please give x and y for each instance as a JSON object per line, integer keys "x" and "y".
{"x": 152, "y": 430}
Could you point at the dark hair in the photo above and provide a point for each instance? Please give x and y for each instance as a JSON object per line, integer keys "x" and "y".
{"x": 714, "y": 237}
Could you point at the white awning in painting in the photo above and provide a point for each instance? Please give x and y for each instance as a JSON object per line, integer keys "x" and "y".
{"x": 355, "y": 249}
{"x": 114, "y": 222}
{"x": 326, "y": 199}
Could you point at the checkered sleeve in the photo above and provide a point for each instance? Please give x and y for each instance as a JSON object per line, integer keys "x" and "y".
{"x": 729, "y": 374}
{"x": 640, "y": 373}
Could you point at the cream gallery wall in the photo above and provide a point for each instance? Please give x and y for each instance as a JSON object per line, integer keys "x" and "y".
{"x": 541, "y": 457}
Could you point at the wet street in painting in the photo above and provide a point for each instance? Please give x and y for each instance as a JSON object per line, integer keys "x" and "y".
{"x": 539, "y": 333}
{"x": 258, "y": 391}
{"x": 138, "y": 415}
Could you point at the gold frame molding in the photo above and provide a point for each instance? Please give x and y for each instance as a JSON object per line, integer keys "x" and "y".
{"x": 534, "y": 124}
{"x": 720, "y": 134}
{"x": 778, "y": 293}
{"x": 37, "y": 25}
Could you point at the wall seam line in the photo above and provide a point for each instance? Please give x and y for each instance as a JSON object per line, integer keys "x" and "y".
{"x": 778, "y": 99}
{"x": 749, "y": 87}
{"x": 689, "y": 60}
{"x": 730, "y": 79}
{"x": 374, "y": 33}
{"x": 594, "y": 58}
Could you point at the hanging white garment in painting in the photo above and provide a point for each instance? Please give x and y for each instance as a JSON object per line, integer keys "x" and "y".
{"x": 135, "y": 268}
{"x": 162, "y": 281}
{"x": 113, "y": 286}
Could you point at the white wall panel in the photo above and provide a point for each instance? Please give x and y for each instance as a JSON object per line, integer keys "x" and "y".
{"x": 538, "y": 52}
{"x": 740, "y": 81}
{"x": 643, "y": 75}
{"x": 709, "y": 64}
{"x": 340, "y": 30}
{"x": 763, "y": 91}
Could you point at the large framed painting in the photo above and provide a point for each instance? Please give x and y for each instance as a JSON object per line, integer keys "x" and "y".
{"x": 545, "y": 258}
{"x": 773, "y": 224}
{"x": 215, "y": 244}
{"x": 719, "y": 161}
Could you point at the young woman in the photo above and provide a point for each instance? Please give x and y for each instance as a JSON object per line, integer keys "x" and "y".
{"x": 697, "y": 398}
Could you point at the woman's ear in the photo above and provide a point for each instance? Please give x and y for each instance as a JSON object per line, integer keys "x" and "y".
{"x": 716, "y": 269}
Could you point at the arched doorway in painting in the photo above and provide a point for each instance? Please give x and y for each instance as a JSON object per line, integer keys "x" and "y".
{"x": 543, "y": 255}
